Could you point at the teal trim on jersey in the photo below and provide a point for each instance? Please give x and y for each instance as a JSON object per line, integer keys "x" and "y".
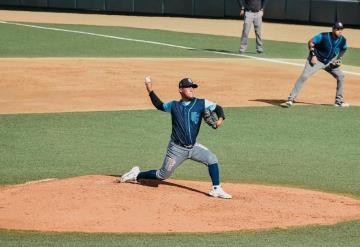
{"x": 317, "y": 38}
{"x": 167, "y": 105}
{"x": 333, "y": 50}
{"x": 331, "y": 46}
{"x": 188, "y": 113}
{"x": 210, "y": 105}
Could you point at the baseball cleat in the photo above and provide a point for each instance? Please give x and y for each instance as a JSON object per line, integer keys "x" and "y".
{"x": 217, "y": 191}
{"x": 341, "y": 104}
{"x": 287, "y": 104}
{"x": 131, "y": 175}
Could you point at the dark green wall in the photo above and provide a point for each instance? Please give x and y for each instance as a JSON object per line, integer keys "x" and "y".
{"x": 306, "y": 11}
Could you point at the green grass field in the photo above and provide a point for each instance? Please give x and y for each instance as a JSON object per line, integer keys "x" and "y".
{"x": 346, "y": 234}
{"x": 20, "y": 41}
{"x": 268, "y": 145}
{"x": 315, "y": 147}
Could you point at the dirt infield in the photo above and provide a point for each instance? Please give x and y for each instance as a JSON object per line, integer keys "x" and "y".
{"x": 98, "y": 203}
{"x": 67, "y": 85}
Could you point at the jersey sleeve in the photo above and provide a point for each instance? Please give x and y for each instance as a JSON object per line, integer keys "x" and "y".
{"x": 210, "y": 105}
{"x": 317, "y": 38}
{"x": 167, "y": 106}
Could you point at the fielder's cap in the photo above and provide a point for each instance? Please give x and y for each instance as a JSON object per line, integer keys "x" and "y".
{"x": 187, "y": 82}
{"x": 338, "y": 25}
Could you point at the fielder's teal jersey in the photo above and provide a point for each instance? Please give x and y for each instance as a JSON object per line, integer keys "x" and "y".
{"x": 327, "y": 47}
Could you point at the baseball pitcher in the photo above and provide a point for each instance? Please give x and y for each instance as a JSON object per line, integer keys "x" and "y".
{"x": 186, "y": 116}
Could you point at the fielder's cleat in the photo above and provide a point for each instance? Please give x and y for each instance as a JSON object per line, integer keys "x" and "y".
{"x": 341, "y": 104}
{"x": 131, "y": 175}
{"x": 217, "y": 191}
{"x": 287, "y": 104}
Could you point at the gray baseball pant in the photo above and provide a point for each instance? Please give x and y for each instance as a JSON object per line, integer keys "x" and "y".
{"x": 176, "y": 155}
{"x": 309, "y": 70}
{"x": 249, "y": 19}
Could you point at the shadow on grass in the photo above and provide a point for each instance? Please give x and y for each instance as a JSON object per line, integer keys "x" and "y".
{"x": 227, "y": 51}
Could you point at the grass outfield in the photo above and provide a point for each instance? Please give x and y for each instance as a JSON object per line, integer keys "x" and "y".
{"x": 344, "y": 234}
{"x": 20, "y": 41}
{"x": 268, "y": 145}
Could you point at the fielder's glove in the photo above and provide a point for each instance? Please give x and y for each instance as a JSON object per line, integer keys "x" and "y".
{"x": 336, "y": 63}
{"x": 210, "y": 117}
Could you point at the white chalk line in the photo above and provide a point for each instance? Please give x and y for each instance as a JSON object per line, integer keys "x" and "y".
{"x": 166, "y": 44}
{"x": 40, "y": 181}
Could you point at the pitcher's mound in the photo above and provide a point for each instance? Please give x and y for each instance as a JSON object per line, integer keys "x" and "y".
{"x": 100, "y": 204}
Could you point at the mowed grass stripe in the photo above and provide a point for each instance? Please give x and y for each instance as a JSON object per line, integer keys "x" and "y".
{"x": 340, "y": 235}
{"x": 19, "y": 41}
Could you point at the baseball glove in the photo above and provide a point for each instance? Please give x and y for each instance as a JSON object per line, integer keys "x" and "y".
{"x": 336, "y": 63}
{"x": 210, "y": 117}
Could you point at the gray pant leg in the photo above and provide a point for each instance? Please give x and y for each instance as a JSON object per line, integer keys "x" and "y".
{"x": 309, "y": 70}
{"x": 175, "y": 156}
{"x": 202, "y": 154}
{"x": 257, "y": 27}
{"x": 248, "y": 20}
{"x": 339, "y": 75}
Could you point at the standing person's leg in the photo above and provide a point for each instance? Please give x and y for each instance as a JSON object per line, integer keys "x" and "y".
{"x": 201, "y": 154}
{"x": 248, "y": 20}
{"x": 257, "y": 27}
{"x": 339, "y": 76}
{"x": 308, "y": 71}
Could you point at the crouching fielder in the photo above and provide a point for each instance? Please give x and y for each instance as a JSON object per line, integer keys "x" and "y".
{"x": 326, "y": 51}
{"x": 186, "y": 116}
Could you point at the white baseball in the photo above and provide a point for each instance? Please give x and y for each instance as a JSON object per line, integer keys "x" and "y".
{"x": 147, "y": 79}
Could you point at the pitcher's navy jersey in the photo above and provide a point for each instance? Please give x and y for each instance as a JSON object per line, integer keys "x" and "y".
{"x": 327, "y": 47}
{"x": 186, "y": 117}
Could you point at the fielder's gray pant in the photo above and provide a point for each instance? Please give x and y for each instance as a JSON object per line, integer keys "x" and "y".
{"x": 249, "y": 19}
{"x": 176, "y": 155}
{"x": 309, "y": 70}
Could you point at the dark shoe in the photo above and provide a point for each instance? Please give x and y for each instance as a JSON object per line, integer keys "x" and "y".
{"x": 260, "y": 52}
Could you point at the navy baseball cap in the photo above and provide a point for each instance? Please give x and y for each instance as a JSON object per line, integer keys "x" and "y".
{"x": 338, "y": 25}
{"x": 187, "y": 82}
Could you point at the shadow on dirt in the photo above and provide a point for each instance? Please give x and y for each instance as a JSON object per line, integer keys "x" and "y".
{"x": 277, "y": 102}
{"x": 157, "y": 183}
